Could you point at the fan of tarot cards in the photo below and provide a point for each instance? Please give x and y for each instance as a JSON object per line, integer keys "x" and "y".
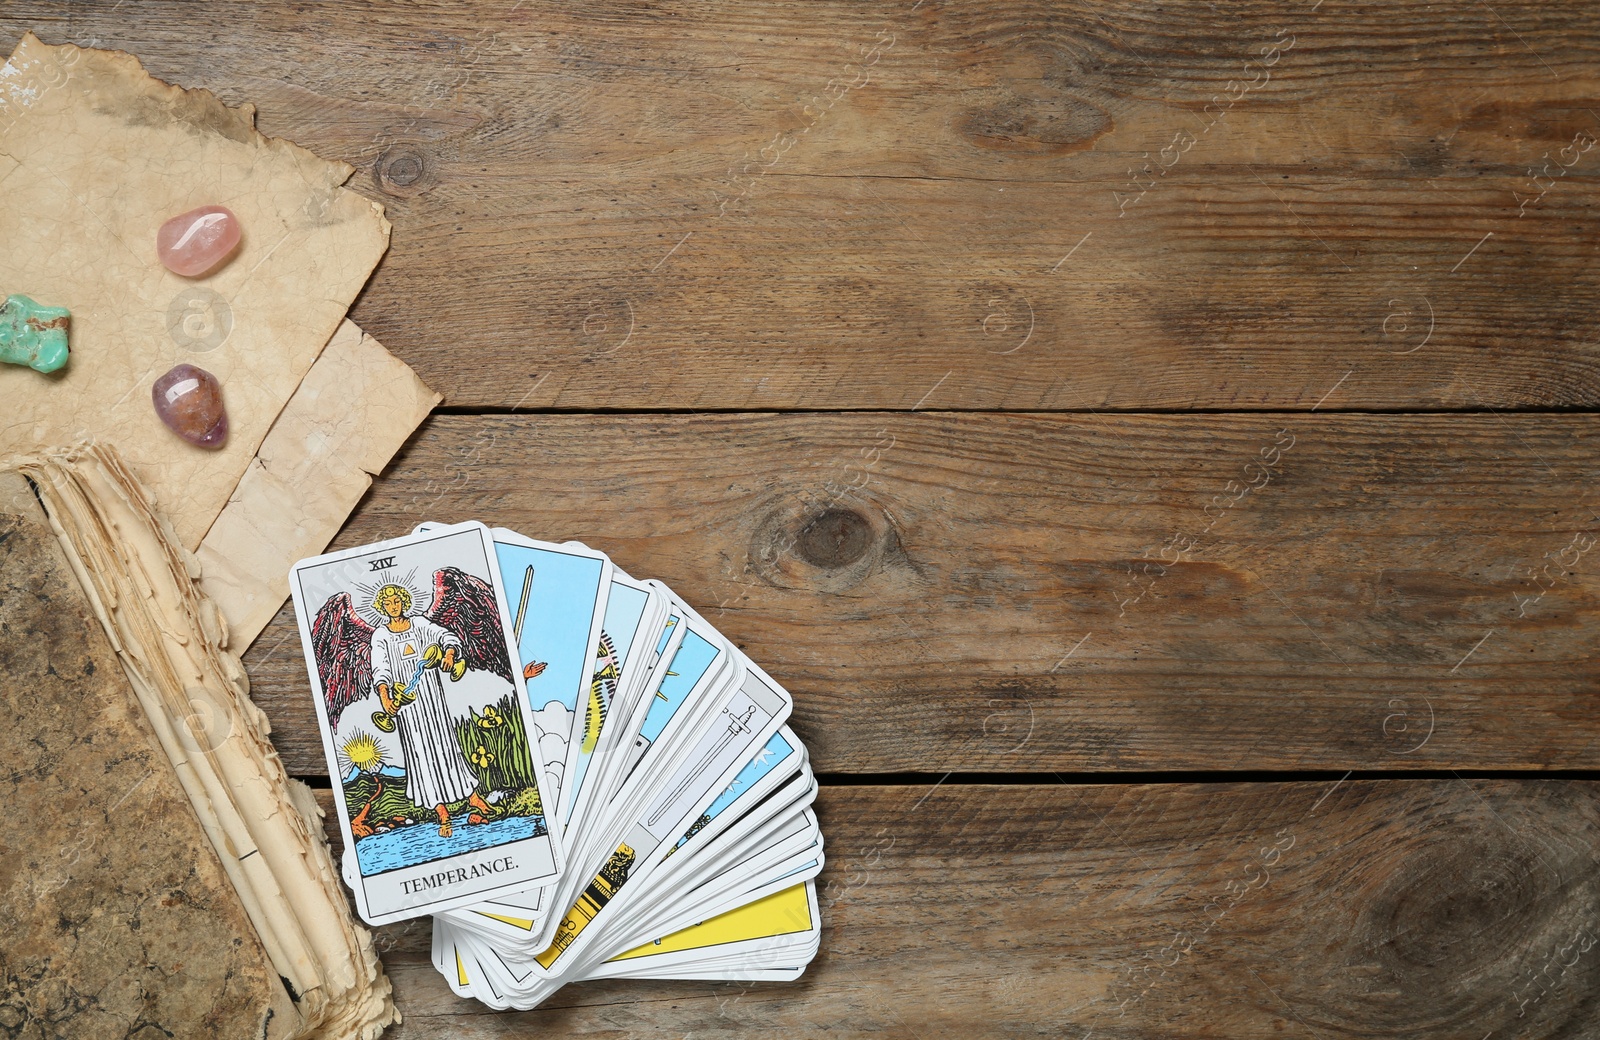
{"x": 573, "y": 772}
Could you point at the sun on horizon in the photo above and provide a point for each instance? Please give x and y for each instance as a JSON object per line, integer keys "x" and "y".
{"x": 363, "y": 751}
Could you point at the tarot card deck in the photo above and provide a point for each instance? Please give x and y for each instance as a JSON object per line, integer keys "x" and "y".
{"x": 569, "y": 768}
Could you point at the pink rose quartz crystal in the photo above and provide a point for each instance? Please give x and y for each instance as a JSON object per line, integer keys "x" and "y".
{"x": 197, "y": 241}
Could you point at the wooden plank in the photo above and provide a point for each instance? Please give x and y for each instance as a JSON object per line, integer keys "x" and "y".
{"x": 1358, "y": 909}
{"x": 1075, "y": 592}
{"x": 846, "y": 206}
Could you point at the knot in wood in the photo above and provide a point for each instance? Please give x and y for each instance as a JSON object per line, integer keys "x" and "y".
{"x": 400, "y": 170}
{"x": 835, "y": 538}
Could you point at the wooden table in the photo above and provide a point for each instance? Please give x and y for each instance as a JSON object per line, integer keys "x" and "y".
{"x": 1156, "y": 444}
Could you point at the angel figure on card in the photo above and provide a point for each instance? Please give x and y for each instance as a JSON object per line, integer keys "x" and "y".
{"x": 404, "y": 660}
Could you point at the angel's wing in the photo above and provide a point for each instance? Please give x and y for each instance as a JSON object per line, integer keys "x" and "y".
{"x": 342, "y": 645}
{"x": 465, "y": 605}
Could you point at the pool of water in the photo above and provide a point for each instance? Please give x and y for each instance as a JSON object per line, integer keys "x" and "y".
{"x": 420, "y": 843}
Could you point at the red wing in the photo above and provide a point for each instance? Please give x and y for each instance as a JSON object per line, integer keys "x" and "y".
{"x": 466, "y": 606}
{"x": 342, "y": 645}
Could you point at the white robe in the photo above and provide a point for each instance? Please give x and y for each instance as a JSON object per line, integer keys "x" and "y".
{"x": 436, "y": 772}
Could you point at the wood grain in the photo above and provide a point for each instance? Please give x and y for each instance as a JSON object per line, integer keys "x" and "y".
{"x": 881, "y": 217}
{"x": 1049, "y": 592}
{"x": 843, "y": 206}
{"x": 1399, "y": 909}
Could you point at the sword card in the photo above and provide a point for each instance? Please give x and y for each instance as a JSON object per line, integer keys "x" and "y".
{"x": 742, "y": 723}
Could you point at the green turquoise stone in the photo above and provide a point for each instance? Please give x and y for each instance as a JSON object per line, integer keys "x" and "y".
{"x": 33, "y": 335}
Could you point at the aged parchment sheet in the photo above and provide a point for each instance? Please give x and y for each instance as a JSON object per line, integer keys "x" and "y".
{"x": 94, "y": 156}
{"x": 355, "y": 408}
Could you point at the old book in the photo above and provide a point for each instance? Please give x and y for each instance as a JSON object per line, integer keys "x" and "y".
{"x": 171, "y": 879}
